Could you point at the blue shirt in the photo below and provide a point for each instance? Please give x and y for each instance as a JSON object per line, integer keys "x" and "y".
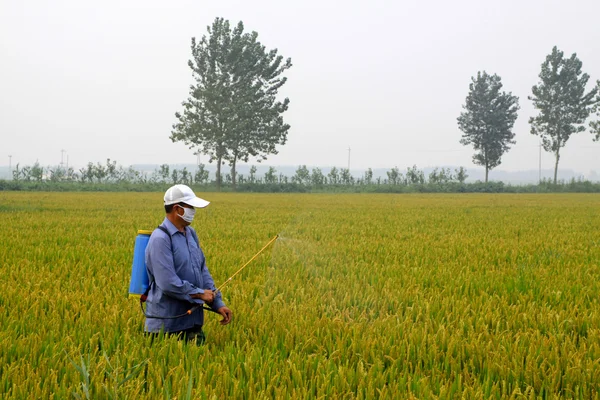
{"x": 174, "y": 275}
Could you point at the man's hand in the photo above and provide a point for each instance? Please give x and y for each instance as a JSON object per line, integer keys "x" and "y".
{"x": 208, "y": 296}
{"x": 226, "y": 313}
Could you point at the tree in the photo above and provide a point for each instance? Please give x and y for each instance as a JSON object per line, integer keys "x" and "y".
{"x": 201, "y": 176}
{"x": 111, "y": 170}
{"x": 317, "y": 178}
{"x": 175, "y": 179}
{"x": 461, "y": 174}
{"x": 440, "y": 175}
{"x": 252, "y": 174}
{"x": 595, "y": 125}
{"x": 36, "y": 172}
{"x": 345, "y": 177}
{"x": 414, "y": 176}
{"x": 99, "y": 172}
{"x": 186, "y": 176}
{"x": 16, "y": 173}
{"x": 562, "y": 102}
{"x": 333, "y": 176}
{"x": 368, "y": 179}
{"x": 302, "y": 175}
{"x": 394, "y": 176}
{"x": 164, "y": 173}
{"x": 232, "y": 112}
{"x": 488, "y": 120}
{"x": 270, "y": 176}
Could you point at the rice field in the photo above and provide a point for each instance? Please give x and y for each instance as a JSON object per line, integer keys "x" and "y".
{"x": 362, "y": 296}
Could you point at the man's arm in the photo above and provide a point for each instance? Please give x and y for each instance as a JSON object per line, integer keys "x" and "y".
{"x": 217, "y": 305}
{"x": 209, "y": 283}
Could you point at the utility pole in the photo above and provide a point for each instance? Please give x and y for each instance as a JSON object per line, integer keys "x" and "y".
{"x": 62, "y": 155}
{"x": 348, "y": 159}
{"x": 9, "y": 166}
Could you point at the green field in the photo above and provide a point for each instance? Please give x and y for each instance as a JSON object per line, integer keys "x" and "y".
{"x": 391, "y": 296}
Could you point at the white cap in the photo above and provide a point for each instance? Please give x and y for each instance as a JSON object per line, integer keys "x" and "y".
{"x": 183, "y": 194}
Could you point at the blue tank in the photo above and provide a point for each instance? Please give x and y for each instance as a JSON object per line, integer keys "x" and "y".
{"x": 139, "y": 274}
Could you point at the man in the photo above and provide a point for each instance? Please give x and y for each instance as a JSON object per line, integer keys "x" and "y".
{"x": 178, "y": 276}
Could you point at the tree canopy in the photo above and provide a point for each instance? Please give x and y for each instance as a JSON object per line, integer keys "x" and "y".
{"x": 488, "y": 120}
{"x": 562, "y": 102}
{"x": 233, "y": 112}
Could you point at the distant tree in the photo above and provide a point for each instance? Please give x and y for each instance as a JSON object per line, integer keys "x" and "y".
{"x": 440, "y": 175}
{"x": 233, "y": 113}
{"x": 302, "y": 176}
{"x": 56, "y": 173}
{"x": 99, "y": 172}
{"x": 414, "y": 176}
{"x": 333, "y": 176}
{"x": 89, "y": 172}
{"x": 562, "y": 101}
{"x": 270, "y": 176}
{"x": 252, "y": 174}
{"x": 16, "y": 174}
{"x": 317, "y": 178}
{"x": 111, "y": 170}
{"x": 132, "y": 176}
{"x": 36, "y": 172}
{"x": 461, "y": 174}
{"x": 488, "y": 120}
{"x": 394, "y": 177}
{"x": 185, "y": 176}
{"x": 368, "y": 178}
{"x": 175, "y": 177}
{"x": 201, "y": 175}
{"x": 164, "y": 173}
{"x": 345, "y": 177}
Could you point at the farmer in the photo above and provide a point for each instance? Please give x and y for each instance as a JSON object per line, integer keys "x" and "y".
{"x": 177, "y": 272}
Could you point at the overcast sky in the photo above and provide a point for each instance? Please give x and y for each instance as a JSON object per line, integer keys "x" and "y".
{"x": 385, "y": 78}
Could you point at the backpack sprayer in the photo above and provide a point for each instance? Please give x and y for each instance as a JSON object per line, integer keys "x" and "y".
{"x": 139, "y": 284}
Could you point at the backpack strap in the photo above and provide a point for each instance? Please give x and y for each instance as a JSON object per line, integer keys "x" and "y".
{"x": 162, "y": 228}
{"x": 144, "y": 297}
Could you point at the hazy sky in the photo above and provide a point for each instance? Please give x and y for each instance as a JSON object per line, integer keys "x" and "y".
{"x": 387, "y": 78}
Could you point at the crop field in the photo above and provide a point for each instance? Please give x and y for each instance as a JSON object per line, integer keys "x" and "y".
{"x": 362, "y": 296}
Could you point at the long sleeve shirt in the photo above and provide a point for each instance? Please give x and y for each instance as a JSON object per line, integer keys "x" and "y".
{"x": 174, "y": 275}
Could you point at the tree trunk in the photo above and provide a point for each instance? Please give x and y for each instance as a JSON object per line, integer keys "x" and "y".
{"x": 556, "y": 165}
{"x": 486, "y": 173}
{"x": 219, "y": 174}
{"x": 233, "y": 173}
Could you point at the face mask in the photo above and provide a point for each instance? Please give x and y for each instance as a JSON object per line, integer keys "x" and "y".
{"x": 188, "y": 214}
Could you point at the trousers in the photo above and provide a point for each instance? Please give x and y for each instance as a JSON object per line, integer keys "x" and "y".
{"x": 194, "y": 335}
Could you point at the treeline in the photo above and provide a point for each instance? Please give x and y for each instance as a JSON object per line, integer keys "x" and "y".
{"x": 113, "y": 177}
{"x": 111, "y": 173}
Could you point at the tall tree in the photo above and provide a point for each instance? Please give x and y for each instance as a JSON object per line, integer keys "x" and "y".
{"x": 488, "y": 120}
{"x": 563, "y": 104}
{"x": 232, "y": 112}
{"x": 595, "y": 125}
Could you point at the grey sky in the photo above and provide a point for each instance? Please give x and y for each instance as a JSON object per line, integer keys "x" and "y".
{"x": 387, "y": 78}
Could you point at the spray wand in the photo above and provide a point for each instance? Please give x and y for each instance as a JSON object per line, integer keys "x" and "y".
{"x": 191, "y": 310}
